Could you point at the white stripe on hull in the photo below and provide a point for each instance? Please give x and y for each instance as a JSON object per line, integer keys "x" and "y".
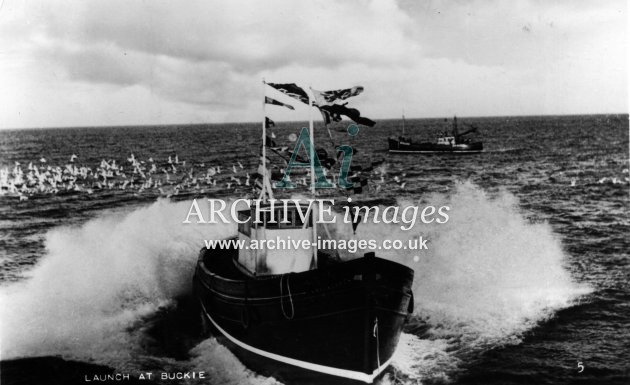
{"x": 351, "y": 374}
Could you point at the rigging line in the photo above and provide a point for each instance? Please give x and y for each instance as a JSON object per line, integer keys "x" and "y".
{"x": 290, "y": 297}
{"x": 330, "y": 136}
{"x": 375, "y": 334}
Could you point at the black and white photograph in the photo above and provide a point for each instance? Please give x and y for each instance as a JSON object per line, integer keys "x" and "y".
{"x": 282, "y": 192}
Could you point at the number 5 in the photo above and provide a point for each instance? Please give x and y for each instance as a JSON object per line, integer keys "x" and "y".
{"x": 580, "y": 367}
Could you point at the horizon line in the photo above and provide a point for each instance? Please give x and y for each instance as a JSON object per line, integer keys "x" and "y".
{"x": 315, "y": 122}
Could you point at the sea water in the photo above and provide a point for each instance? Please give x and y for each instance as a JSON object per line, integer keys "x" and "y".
{"x": 526, "y": 281}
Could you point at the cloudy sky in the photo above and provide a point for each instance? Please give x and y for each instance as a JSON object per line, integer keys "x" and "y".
{"x": 82, "y": 63}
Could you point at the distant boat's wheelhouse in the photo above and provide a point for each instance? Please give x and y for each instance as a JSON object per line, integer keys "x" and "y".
{"x": 274, "y": 243}
{"x": 446, "y": 141}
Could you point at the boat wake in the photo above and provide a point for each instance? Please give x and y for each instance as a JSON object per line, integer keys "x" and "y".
{"x": 116, "y": 290}
{"x": 489, "y": 276}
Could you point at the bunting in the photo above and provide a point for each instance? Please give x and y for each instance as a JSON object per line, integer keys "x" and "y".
{"x": 333, "y": 106}
{"x": 332, "y": 113}
{"x": 269, "y": 100}
{"x": 270, "y": 142}
{"x": 328, "y": 97}
{"x": 292, "y": 90}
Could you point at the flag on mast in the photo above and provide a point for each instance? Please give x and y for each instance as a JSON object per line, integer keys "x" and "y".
{"x": 270, "y": 142}
{"x": 331, "y": 110}
{"x": 273, "y": 101}
{"x": 332, "y": 113}
{"x": 327, "y": 97}
{"x": 292, "y": 90}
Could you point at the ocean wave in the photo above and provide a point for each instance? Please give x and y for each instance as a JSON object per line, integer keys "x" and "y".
{"x": 489, "y": 275}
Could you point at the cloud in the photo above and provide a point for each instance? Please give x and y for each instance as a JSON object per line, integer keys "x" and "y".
{"x": 207, "y": 57}
{"x": 247, "y": 34}
{"x": 207, "y": 52}
{"x": 513, "y": 33}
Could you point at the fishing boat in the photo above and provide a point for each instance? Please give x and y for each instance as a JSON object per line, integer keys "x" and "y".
{"x": 454, "y": 143}
{"x": 301, "y": 315}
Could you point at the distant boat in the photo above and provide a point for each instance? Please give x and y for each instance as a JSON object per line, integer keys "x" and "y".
{"x": 301, "y": 315}
{"x": 454, "y": 143}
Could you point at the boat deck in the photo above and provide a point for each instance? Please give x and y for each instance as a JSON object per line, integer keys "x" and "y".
{"x": 225, "y": 263}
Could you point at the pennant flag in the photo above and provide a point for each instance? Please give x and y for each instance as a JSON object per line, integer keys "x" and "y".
{"x": 269, "y": 122}
{"x": 269, "y": 100}
{"x": 328, "y": 116}
{"x": 292, "y": 90}
{"x": 355, "y": 223}
{"x": 358, "y": 183}
{"x": 332, "y": 113}
{"x": 327, "y": 97}
{"x": 270, "y": 142}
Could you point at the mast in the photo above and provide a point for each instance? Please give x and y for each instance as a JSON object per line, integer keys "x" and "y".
{"x": 403, "y": 116}
{"x": 455, "y": 133}
{"x": 264, "y": 144}
{"x": 312, "y": 159}
{"x": 265, "y": 191}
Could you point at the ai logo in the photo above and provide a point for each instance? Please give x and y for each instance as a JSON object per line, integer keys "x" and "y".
{"x": 320, "y": 179}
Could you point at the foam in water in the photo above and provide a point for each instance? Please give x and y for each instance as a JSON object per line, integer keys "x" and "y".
{"x": 222, "y": 367}
{"x": 97, "y": 280}
{"x": 487, "y": 267}
{"x": 488, "y": 275}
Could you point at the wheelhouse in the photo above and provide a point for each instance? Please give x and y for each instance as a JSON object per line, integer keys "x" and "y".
{"x": 274, "y": 244}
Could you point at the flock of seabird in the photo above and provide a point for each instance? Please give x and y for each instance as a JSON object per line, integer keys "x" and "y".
{"x": 134, "y": 175}
{"x": 168, "y": 178}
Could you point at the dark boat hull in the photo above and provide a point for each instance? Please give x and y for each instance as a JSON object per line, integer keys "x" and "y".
{"x": 397, "y": 146}
{"x": 337, "y": 324}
